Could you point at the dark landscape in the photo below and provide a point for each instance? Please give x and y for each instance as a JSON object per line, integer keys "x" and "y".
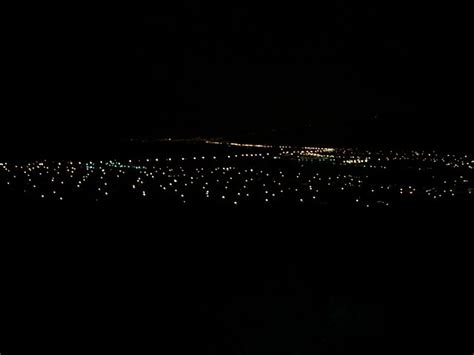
{"x": 236, "y": 178}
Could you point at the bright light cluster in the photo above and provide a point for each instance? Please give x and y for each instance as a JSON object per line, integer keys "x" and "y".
{"x": 240, "y": 174}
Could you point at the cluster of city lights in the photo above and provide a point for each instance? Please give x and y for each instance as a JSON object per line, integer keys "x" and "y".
{"x": 244, "y": 174}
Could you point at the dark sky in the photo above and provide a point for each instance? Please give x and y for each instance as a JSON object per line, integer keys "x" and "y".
{"x": 206, "y": 67}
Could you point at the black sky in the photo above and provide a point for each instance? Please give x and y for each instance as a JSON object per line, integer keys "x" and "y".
{"x": 200, "y": 68}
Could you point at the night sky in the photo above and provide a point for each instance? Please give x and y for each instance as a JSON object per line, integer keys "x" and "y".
{"x": 216, "y": 69}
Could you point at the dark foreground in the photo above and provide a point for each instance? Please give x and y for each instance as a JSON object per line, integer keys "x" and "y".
{"x": 126, "y": 282}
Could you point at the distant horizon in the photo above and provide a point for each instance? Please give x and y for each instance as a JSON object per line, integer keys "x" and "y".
{"x": 141, "y": 145}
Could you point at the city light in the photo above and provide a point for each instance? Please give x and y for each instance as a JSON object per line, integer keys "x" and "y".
{"x": 250, "y": 174}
